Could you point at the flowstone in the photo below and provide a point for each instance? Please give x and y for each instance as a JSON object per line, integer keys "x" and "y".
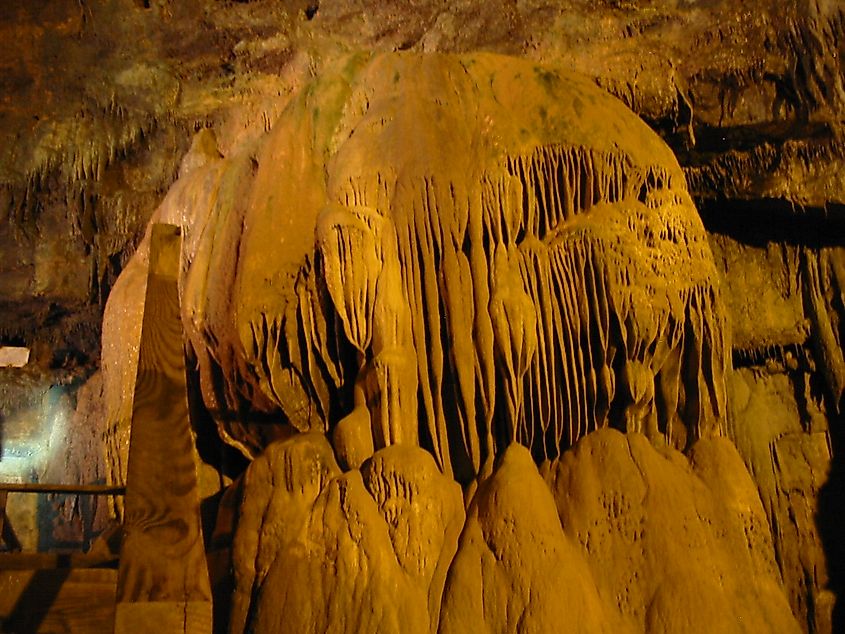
{"x": 429, "y": 261}
{"x": 455, "y": 252}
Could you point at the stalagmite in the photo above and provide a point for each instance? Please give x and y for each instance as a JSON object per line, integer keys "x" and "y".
{"x": 389, "y": 532}
{"x": 657, "y": 530}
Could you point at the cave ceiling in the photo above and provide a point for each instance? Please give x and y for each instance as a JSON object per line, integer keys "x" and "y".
{"x": 480, "y": 300}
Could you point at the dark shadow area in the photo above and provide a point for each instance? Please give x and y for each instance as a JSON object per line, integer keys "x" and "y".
{"x": 830, "y": 519}
{"x": 51, "y": 509}
{"x": 762, "y": 221}
{"x": 747, "y": 138}
{"x": 35, "y": 601}
{"x": 218, "y": 512}
{"x": 211, "y": 449}
{"x": 219, "y": 516}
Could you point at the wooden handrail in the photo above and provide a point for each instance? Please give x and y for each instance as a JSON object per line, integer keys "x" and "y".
{"x": 80, "y": 489}
{"x": 55, "y": 561}
{"x": 7, "y": 536}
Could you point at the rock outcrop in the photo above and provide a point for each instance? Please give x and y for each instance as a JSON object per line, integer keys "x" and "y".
{"x": 527, "y": 278}
{"x": 414, "y": 274}
{"x": 441, "y": 274}
{"x": 658, "y": 528}
{"x": 318, "y": 550}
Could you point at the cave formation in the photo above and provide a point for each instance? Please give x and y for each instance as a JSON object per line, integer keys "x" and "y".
{"x": 419, "y": 319}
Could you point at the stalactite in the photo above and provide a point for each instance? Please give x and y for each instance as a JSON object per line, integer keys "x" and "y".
{"x": 595, "y": 277}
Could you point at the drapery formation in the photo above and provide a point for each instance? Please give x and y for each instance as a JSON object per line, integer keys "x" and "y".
{"x": 455, "y": 252}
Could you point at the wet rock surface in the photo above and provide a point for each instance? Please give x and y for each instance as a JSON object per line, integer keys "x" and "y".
{"x": 396, "y": 272}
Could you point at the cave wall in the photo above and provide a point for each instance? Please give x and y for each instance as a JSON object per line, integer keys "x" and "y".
{"x": 102, "y": 100}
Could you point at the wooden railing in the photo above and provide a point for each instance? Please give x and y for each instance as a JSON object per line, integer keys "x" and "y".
{"x": 78, "y": 489}
{"x": 56, "y": 591}
{"x": 162, "y": 581}
{"x": 7, "y": 536}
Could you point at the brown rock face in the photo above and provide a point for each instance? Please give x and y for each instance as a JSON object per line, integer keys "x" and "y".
{"x": 498, "y": 357}
{"x": 527, "y": 278}
{"x": 619, "y": 537}
{"x": 515, "y": 569}
{"x": 363, "y": 551}
{"x": 658, "y": 528}
{"x": 458, "y": 273}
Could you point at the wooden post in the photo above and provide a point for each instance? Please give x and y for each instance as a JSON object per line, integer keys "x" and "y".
{"x": 163, "y": 577}
{"x": 3, "y": 496}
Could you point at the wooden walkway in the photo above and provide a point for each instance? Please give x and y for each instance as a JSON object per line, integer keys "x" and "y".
{"x": 55, "y": 592}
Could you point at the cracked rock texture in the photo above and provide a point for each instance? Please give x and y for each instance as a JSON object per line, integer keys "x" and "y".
{"x": 499, "y": 356}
